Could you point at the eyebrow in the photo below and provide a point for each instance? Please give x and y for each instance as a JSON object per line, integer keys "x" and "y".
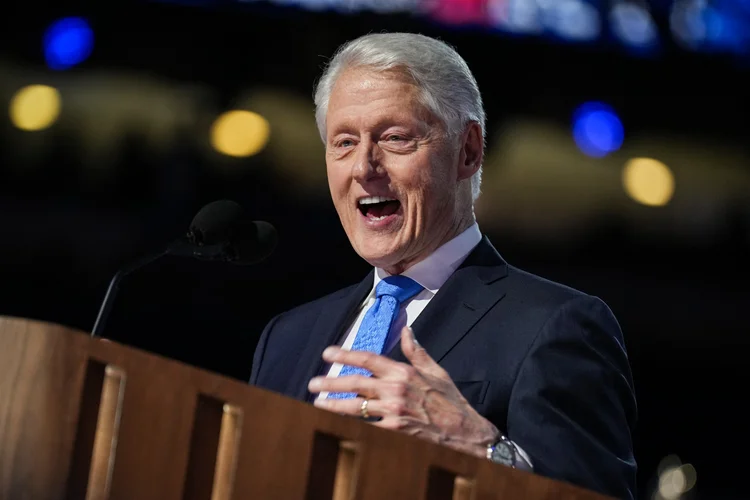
{"x": 382, "y": 124}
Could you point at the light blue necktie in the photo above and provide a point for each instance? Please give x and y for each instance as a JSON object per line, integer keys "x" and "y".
{"x": 390, "y": 293}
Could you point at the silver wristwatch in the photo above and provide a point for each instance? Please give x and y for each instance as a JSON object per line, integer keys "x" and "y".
{"x": 502, "y": 451}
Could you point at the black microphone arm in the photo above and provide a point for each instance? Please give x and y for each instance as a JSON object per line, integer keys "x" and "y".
{"x": 109, "y": 297}
{"x": 219, "y": 232}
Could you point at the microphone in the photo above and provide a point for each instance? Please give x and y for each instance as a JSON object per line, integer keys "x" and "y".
{"x": 220, "y": 231}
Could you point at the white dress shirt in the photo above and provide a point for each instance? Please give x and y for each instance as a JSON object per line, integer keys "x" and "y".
{"x": 431, "y": 273}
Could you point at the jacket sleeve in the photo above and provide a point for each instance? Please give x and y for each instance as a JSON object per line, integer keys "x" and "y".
{"x": 260, "y": 350}
{"x": 572, "y": 406}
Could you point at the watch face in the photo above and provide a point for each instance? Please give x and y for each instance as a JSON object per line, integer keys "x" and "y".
{"x": 503, "y": 453}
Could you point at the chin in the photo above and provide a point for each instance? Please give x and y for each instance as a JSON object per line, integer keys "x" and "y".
{"x": 377, "y": 255}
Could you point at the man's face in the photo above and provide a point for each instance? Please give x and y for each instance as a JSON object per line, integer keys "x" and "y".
{"x": 394, "y": 176}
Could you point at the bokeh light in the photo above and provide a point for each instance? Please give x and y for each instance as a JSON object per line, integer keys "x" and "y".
{"x": 675, "y": 479}
{"x": 648, "y": 181}
{"x": 597, "y": 130}
{"x": 68, "y": 42}
{"x": 35, "y": 107}
{"x": 240, "y": 133}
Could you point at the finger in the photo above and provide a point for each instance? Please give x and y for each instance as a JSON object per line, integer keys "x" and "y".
{"x": 418, "y": 355}
{"x": 403, "y": 423}
{"x": 379, "y": 366}
{"x": 352, "y": 406}
{"x": 357, "y": 384}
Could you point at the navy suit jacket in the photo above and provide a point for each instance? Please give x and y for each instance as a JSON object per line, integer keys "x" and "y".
{"x": 545, "y": 363}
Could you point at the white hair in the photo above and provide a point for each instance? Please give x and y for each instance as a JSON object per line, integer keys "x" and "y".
{"x": 448, "y": 88}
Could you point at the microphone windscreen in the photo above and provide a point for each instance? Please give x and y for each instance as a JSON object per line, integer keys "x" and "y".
{"x": 215, "y": 223}
{"x": 220, "y": 231}
{"x": 253, "y": 242}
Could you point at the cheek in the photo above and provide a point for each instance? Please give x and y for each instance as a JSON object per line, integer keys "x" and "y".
{"x": 416, "y": 178}
{"x": 442, "y": 178}
{"x": 336, "y": 182}
{"x": 430, "y": 182}
{"x": 339, "y": 185}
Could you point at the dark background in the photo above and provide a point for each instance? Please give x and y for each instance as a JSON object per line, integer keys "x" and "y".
{"x": 69, "y": 222}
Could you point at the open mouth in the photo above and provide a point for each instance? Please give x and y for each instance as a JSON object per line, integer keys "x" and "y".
{"x": 378, "y": 207}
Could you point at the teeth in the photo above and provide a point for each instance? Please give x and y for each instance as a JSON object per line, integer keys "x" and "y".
{"x": 378, "y": 218}
{"x": 370, "y": 200}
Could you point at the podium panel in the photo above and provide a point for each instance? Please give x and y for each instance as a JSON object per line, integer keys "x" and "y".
{"x": 86, "y": 418}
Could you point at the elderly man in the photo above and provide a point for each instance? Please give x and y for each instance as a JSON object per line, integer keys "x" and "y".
{"x": 443, "y": 339}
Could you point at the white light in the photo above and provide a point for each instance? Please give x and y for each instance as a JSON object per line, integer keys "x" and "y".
{"x": 687, "y": 23}
{"x": 573, "y": 19}
{"x": 391, "y": 6}
{"x": 633, "y": 24}
{"x": 672, "y": 483}
{"x": 516, "y": 16}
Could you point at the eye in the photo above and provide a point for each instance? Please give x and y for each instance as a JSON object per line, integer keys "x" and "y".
{"x": 345, "y": 143}
{"x": 395, "y": 138}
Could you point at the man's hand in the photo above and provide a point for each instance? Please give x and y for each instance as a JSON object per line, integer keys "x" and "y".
{"x": 419, "y": 399}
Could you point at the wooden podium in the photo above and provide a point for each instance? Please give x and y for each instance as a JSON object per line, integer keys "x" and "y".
{"x": 84, "y": 418}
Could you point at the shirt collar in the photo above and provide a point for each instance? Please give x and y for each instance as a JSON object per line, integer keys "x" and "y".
{"x": 434, "y": 271}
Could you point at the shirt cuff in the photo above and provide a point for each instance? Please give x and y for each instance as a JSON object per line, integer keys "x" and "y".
{"x": 523, "y": 461}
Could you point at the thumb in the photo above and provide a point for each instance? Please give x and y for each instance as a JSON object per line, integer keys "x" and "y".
{"x": 416, "y": 354}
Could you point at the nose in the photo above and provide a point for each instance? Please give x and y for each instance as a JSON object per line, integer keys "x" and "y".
{"x": 367, "y": 165}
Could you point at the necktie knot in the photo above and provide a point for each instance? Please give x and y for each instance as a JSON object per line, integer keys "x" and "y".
{"x": 399, "y": 287}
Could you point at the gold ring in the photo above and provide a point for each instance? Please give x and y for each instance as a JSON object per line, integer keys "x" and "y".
{"x": 363, "y": 409}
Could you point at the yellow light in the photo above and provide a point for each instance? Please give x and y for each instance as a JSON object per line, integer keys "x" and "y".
{"x": 35, "y": 107}
{"x": 648, "y": 181}
{"x": 240, "y": 133}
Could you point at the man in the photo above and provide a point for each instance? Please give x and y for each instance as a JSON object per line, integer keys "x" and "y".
{"x": 443, "y": 339}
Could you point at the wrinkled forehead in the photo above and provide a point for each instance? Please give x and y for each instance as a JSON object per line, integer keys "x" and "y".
{"x": 366, "y": 78}
{"x": 358, "y": 87}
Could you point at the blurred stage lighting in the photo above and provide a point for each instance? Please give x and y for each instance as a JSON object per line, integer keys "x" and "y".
{"x": 597, "y": 130}
{"x": 634, "y": 26}
{"x": 240, "y": 133}
{"x": 572, "y": 20}
{"x": 675, "y": 479}
{"x": 67, "y": 42}
{"x": 648, "y": 181}
{"x": 35, "y": 107}
{"x": 711, "y": 26}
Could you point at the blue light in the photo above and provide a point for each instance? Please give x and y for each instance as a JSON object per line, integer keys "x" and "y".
{"x": 67, "y": 42}
{"x": 597, "y": 130}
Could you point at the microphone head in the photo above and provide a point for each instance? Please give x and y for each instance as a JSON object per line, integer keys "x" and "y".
{"x": 214, "y": 222}
{"x": 220, "y": 231}
{"x": 253, "y": 242}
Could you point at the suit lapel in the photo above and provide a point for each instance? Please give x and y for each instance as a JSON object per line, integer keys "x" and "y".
{"x": 460, "y": 303}
{"x": 337, "y": 315}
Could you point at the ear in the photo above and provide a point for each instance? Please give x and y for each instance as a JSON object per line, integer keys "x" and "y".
{"x": 472, "y": 151}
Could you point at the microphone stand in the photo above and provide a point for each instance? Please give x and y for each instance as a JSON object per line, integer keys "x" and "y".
{"x": 227, "y": 249}
{"x": 216, "y": 252}
{"x": 109, "y": 298}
